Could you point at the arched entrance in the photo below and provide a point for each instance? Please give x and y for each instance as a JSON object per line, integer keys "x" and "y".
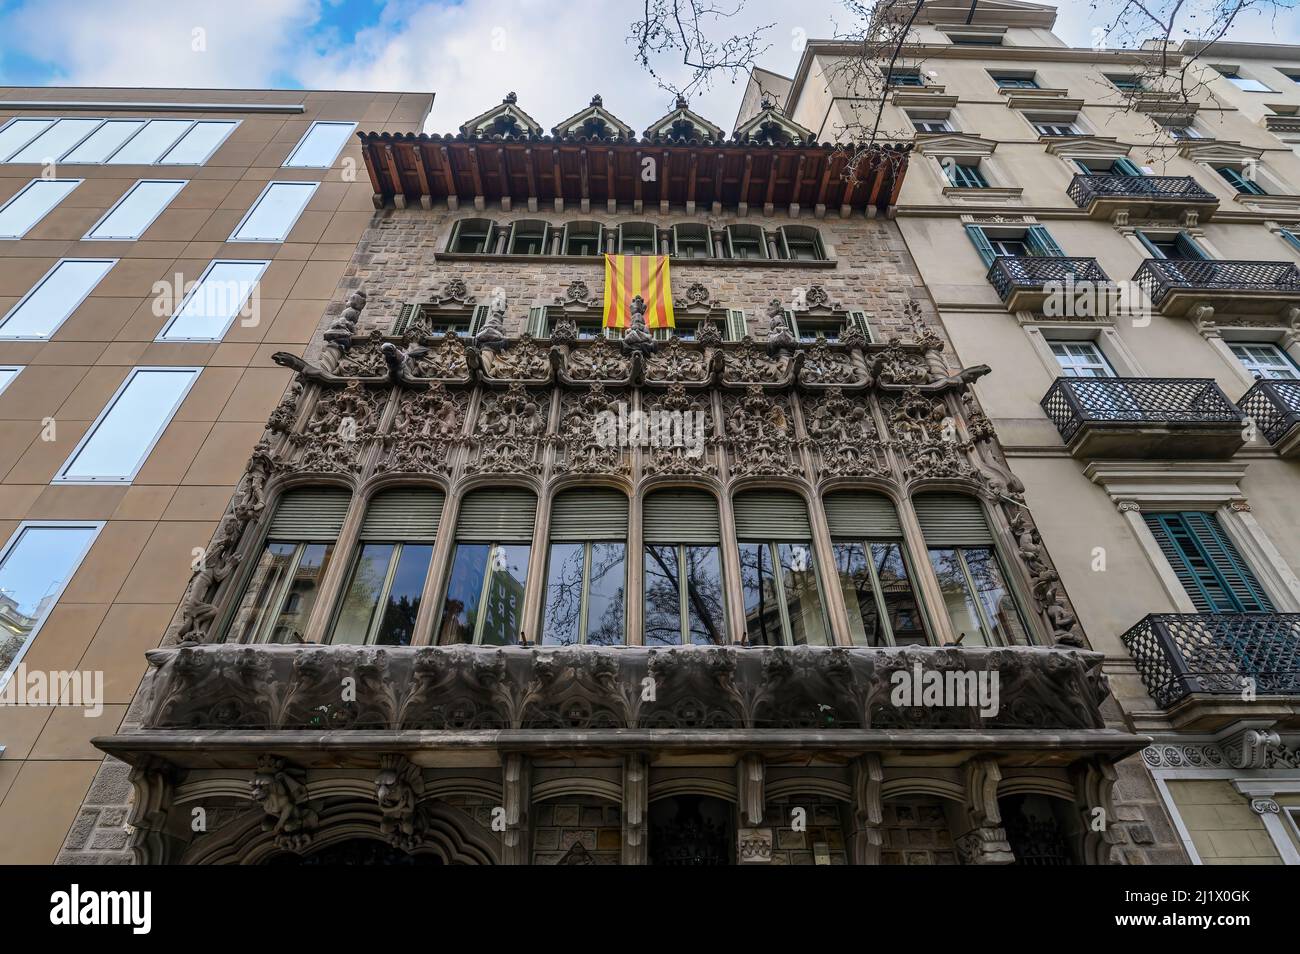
{"x": 1039, "y": 829}
{"x": 690, "y": 830}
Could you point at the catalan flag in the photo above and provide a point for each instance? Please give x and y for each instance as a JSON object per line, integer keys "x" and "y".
{"x": 627, "y": 276}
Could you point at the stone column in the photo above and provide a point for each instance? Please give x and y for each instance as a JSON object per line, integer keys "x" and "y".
{"x": 868, "y": 810}
{"x": 516, "y": 787}
{"x": 636, "y": 791}
{"x": 985, "y": 840}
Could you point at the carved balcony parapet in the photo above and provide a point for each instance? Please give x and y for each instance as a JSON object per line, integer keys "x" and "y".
{"x": 273, "y": 687}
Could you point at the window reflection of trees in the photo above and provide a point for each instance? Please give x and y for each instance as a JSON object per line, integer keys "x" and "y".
{"x": 704, "y": 620}
{"x": 590, "y": 577}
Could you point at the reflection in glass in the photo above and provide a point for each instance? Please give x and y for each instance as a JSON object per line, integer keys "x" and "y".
{"x": 485, "y": 595}
{"x": 33, "y": 573}
{"x": 585, "y": 591}
{"x": 706, "y": 621}
{"x": 281, "y": 593}
{"x": 882, "y": 608}
{"x": 978, "y": 600}
{"x": 124, "y": 435}
{"x": 783, "y": 604}
{"x": 995, "y": 597}
{"x": 383, "y": 597}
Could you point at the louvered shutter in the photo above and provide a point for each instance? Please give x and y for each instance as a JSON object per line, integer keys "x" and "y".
{"x": 1041, "y": 241}
{"x": 310, "y": 513}
{"x": 981, "y": 243}
{"x": 791, "y": 322}
{"x": 403, "y": 321}
{"x": 596, "y": 513}
{"x": 735, "y": 324}
{"x": 497, "y": 516}
{"x": 1207, "y": 563}
{"x": 537, "y": 322}
{"x": 952, "y": 519}
{"x": 477, "y": 319}
{"x": 1150, "y": 245}
{"x": 1125, "y": 167}
{"x": 406, "y": 515}
{"x": 680, "y": 516}
{"x": 861, "y": 516}
{"x": 1189, "y": 247}
{"x": 1291, "y": 238}
{"x": 771, "y": 515}
{"x": 858, "y": 319}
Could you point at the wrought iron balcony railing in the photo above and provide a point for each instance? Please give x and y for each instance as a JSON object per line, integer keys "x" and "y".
{"x": 1073, "y": 402}
{"x": 1178, "y": 654}
{"x": 1274, "y": 406}
{"x": 1085, "y": 189}
{"x": 1159, "y": 277}
{"x": 1011, "y": 273}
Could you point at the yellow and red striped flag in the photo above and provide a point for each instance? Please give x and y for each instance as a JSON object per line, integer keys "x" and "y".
{"x": 627, "y": 276}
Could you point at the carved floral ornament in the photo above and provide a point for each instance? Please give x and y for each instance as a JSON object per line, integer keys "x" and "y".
{"x": 525, "y": 408}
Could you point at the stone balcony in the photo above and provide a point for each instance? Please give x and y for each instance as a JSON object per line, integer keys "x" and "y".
{"x": 1243, "y": 287}
{"x": 1025, "y": 282}
{"x": 1143, "y": 418}
{"x": 1101, "y": 196}
{"x": 1274, "y": 406}
{"x": 1209, "y": 670}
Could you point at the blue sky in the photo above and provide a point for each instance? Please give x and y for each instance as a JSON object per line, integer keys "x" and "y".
{"x": 554, "y": 53}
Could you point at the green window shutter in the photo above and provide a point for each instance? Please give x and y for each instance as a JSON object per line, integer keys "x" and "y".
{"x": 680, "y": 516}
{"x": 735, "y": 324}
{"x": 952, "y": 519}
{"x": 497, "y": 516}
{"x": 1041, "y": 241}
{"x": 403, "y": 321}
{"x": 477, "y": 319}
{"x": 537, "y": 322}
{"x": 596, "y": 513}
{"x": 1150, "y": 246}
{"x": 408, "y": 515}
{"x": 861, "y": 516}
{"x": 455, "y": 234}
{"x": 310, "y": 513}
{"x": 1207, "y": 563}
{"x": 783, "y": 246}
{"x": 1290, "y": 237}
{"x": 771, "y": 515}
{"x": 791, "y": 322}
{"x": 1189, "y": 246}
{"x": 858, "y": 319}
{"x": 981, "y": 243}
{"x": 1125, "y": 167}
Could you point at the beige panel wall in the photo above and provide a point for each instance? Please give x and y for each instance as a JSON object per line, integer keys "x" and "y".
{"x": 1223, "y": 828}
{"x": 119, "y": 602}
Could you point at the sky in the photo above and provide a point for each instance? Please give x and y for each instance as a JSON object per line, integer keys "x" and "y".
{"x": 554, "y": 54}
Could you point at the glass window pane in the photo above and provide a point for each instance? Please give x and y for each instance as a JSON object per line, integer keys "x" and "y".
{"x": 320, "y": 146}
{"x": 561, "y": 615}
{"x": 663, "y": 601}
{"x": 504, "y": 604}
{"x": 148, "y": 145}
{"x": 705, "y": 615}
{"x": 273, "y": 215}
{"x": 290, "y": 623}
{"x": 264, "y": 583}
{"x": 758, "y": 582}
{"x": 361, "y": 598}
{"x": 866, "y": 628}
{"x": 137, "y": 210}
{"x": 464, "y": 590}
{"x": 605, "y": 595}
{"x": 55, "y": 141}
{"x": 957, "y": 596}
{"x": 29, "y": 206}
{"x": 198, "y": 144}
{"x": 397, "y": 625}
{"x": 32, "y": 576}
{"x": 995, "y": 595}
{"x": 20, "y": 132}
{"x": 901, "y": 606}
{"x": 803, "y": 599}
{"x": 214, "y": 302}
{"x": 56, "y": 297}
{"x": 7, "y": 375}
{"x": 123, "y": 436}
{"x": 105, "y": 140}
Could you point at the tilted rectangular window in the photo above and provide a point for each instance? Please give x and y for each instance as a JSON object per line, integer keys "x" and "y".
{"x": 136, "y": 210}
{"x": 50, "y": 145}
{"x": 120, "y": 440}
{"x": 220, "y": 294}
{"x": 32, "y": 203}
{"x": 198, "y": 145}
{"x": 19, "y": 132}
{"x": 320, "y": 145}
{"x": 116, "y": 141}
{"x": 151, "y": 143}
{"x": 54, "y": 298}
{"x": 35, "y": 566}
{"x": 106, "y": 140}
{"x": 273, "y": 215}
{"x": 7, "y": 375}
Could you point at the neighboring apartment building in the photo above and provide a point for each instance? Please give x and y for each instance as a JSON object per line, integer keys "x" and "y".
{"x": 156, "y": 248}
{"x": 1156, "y": 439}
{"x": 464, "y": 608}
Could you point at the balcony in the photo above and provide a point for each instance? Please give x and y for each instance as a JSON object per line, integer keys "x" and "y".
{"x": 1024, "y": 282}
{"x": 1274, "y": 406}
{"x": 1175, "y": 285}
{"x": 1132, "y": 418}
{"x": 1101, "y": 196}
{"x": 1206, "y": 661}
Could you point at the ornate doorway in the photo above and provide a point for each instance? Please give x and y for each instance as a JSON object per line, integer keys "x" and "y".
{"x": 689, "y": 830}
